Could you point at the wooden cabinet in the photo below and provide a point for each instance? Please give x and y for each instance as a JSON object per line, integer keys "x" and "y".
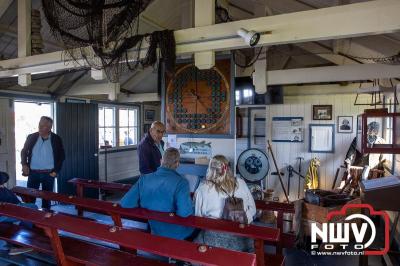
{"x": 387, "y": 138}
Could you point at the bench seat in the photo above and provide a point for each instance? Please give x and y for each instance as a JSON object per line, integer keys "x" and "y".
{"x": 76, "y": 250}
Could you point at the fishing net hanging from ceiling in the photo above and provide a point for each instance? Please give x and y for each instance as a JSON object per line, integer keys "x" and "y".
{"x": 109, "y": 28}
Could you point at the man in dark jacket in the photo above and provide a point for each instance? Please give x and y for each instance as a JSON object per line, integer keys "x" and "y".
{"x": 151, "y": 149}
{"x": 42, "y": 157}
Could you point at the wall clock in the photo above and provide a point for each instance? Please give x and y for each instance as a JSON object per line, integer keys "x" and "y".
{"x": 198, "y": 101}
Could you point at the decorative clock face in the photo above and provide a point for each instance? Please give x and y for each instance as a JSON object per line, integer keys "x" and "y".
{"x": 198, "y": 101}
{"x": 253, "y": 165}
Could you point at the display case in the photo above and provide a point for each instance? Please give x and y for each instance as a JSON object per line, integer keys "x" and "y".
{"x": 378, "y": 131}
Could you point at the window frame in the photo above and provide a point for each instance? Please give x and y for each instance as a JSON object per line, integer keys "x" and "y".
{"x": 117, "y": 107}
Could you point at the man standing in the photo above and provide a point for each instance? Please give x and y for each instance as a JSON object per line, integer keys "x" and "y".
{"x": 151, "y": 149}
{"x": 42, "y": 157}
{"x": 164, "y": 191}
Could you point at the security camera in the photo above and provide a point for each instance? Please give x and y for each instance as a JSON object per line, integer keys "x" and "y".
{"x": 250, "y": 37}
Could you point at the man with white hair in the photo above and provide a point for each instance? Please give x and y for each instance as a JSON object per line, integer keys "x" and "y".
{"x": 165, "y": 191}
{"x": 151, "y": 148}
{"x": 42, "y": 157}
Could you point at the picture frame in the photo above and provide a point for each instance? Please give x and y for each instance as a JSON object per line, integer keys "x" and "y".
{"x": 344, "y": 124}
{"x": 322, "y": 112}
{"x": 149, "y": 115}
{"x": 322, "y": 138}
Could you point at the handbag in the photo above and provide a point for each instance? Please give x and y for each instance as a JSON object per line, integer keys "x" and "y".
{"x": 234, "y": 208}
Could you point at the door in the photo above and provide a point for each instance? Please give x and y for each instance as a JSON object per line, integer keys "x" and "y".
{"x": 27, "y": 117}
{"x": 77, "y": 125}
{"x": 7, "y": 151}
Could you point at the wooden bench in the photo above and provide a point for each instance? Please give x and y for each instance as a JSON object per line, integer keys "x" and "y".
{"x": 131, "y": 239}
{"x": 287, "y": 239}
{"x": 75, "y": 250}
{"x": 258, "y": 233}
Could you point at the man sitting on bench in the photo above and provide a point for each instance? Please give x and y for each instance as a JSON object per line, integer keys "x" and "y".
{"x": 165, "y": 191}
{"x": 8, "y": 196}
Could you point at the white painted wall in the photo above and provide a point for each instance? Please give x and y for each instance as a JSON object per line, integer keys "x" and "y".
{"x": 120, "y": 165}
{"x": 286, "y": 153}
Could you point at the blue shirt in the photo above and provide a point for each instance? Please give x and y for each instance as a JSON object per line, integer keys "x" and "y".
{"x": 164, "y": 191}
{"x": 42, "y": 154}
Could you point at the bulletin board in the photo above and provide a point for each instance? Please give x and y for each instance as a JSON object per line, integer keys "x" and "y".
{"x": 287, "y": 129}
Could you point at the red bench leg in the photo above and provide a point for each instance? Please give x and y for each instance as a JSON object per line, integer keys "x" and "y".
{"x": 79, "y": 193}
{"x": 279, "y": 224}
{"x": 52, "y": 233}
{"x": 259, "y": 248}
{"x": 118, "y": 222}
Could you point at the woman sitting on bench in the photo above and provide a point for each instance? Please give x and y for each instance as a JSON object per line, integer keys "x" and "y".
{"x": 211, "y": 200}
{"x": 8, "y": 196}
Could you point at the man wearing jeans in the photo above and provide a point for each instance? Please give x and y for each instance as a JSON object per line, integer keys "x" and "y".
{"x": 42, "y": 157}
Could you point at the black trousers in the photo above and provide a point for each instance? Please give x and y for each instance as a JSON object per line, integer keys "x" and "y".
{"x": 44, "y": 179}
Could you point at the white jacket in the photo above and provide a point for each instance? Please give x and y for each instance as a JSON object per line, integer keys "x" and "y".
{"x": 209, "y": 203}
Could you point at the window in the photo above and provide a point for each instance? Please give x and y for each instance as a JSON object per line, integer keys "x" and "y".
{"x": 107, "y": 126}
{"x": 128, "y": 126}
{"x": 118, "y": 126}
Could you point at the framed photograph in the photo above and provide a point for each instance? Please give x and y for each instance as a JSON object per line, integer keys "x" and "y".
{"x": 344, "y": 124}
{"x": 322, "y": 138}
{"x": 149, "y": 115}
{"x": 322, "y": 112}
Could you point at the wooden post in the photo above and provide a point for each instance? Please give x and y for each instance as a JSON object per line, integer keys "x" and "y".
{"x": 279, "y": 224}
{"x": 79, "y": 194}
{"x": 52, "y": 233}
{"x": 277, "y": 170}
{"x": 259, "y": 249}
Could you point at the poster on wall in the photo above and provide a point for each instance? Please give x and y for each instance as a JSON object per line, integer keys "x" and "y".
{"x": 193, "y": 149}
{"x": 199, "y": 101}
{"x": 287, "y": 129}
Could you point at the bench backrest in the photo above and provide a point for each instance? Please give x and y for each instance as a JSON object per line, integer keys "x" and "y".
{"x": 162, "y": 246}
{"x": 107, "y": 186}
{"x": 287, "y": 239}
{"x": 113, "y": 209}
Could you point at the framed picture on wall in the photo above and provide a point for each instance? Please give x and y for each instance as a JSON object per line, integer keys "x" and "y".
{"x": 344, "y": 124}
{"x": 322, "y": 112}
{"x": 322, "y": 138}
{"x": 149, "y": 115}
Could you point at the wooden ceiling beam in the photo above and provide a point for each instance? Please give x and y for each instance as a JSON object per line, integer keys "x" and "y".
{"x": 368, "y": 18}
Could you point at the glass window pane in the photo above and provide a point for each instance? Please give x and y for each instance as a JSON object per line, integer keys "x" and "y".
{"x": 101, "y": 137}
{"x": 133, "y": 134}
{"x": 109, "y": 117}
{"x": 109, "y": 136}
{"x": 124, "y": 137}
{"x": 123, "y": 117}
{"x": 132, "y": 117}
{"x": 101, "y": 117}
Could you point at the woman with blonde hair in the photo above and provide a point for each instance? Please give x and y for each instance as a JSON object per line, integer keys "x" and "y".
{"x": 210, "y": 198}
